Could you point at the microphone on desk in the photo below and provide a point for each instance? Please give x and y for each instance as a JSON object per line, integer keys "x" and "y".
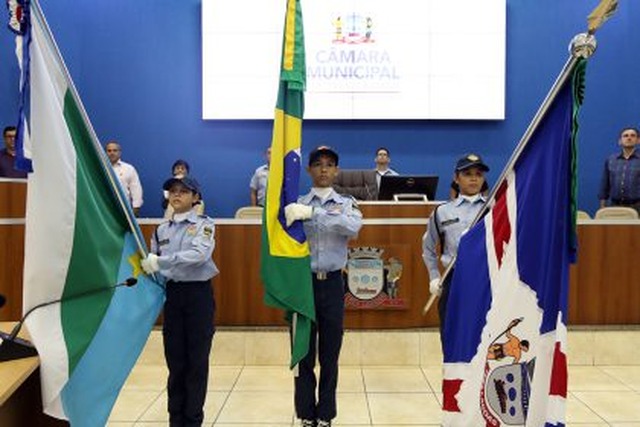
{"x": 13, "y": 347}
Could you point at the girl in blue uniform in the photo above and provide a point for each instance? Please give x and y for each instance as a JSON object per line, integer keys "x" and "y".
{"x": 181, "y": 250}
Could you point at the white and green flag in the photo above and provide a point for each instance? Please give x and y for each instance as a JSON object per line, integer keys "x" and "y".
{"x": 80, "y": 242}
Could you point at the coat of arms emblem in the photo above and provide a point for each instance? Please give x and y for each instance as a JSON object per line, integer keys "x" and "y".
{"x": 373, "y": 282}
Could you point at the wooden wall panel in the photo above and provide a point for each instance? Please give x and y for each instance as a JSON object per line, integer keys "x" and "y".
{"x": 397, "y": 210}
{"x": 238, "y": 289}
{"x": 403, "y": 242}
{"x": 605, "y": 283}
{"x": 11, "y": 263}
{"x": 13, "y": 194}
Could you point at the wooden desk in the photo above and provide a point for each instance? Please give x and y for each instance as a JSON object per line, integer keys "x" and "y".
{"x": 14, "y": 372}
{"x": 604, "y": 283}
{"x": 239, "y": 291}
{"x": 388, "y": 225}
{"x": 380, "y": 209}
{"x": 20, "y": 396}
{"x": 603, "y": 289}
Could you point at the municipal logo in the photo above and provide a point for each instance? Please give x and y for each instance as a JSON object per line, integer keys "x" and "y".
{"x": 353, "y": 28}
{"x": 373, "y": 282}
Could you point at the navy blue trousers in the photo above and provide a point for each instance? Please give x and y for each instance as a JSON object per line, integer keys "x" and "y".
{"x": 188, "y": 332}
{"x": 326, "y": 341}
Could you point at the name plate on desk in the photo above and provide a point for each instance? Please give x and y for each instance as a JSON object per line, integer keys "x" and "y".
{"x": 373, "y": 282}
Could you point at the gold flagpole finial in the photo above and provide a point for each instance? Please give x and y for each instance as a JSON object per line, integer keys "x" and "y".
{"x": 601, "y": 14}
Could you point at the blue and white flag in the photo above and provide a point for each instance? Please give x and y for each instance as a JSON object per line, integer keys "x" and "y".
{"x": 505, "y": 333}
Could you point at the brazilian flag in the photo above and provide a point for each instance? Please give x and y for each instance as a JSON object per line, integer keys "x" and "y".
{"x": 285, "y": 263}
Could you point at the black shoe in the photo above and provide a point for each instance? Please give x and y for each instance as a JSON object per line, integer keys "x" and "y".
{"x": 307, "y": 423}
{"x": 323, "y": 423}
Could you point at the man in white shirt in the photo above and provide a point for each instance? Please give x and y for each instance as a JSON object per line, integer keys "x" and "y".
{"x": 258, "y": 184}
{"x": 127, "y": 175}
{"x": 382, "y": 164}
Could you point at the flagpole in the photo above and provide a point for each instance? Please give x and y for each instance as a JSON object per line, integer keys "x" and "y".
{"x": 582, "y": 46}
{"x": 94, "y": 137}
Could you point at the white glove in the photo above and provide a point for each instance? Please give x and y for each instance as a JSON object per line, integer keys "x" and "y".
{"x": 434, "y": 287}
{"x": 296, "y": 211}
{"x": 150, "y": 264}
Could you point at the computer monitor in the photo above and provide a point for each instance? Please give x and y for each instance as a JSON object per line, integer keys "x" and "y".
{"x": 407, "y": 184}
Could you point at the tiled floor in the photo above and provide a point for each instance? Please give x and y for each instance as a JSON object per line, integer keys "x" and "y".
{"x": 250, "y": 384}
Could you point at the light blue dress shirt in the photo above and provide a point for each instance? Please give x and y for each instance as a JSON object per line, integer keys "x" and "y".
{"x": 184, "y": 248}
{"x": 259, "y": 183}
{"x": 453, "y": 219}
{"x": 334, "y": 221}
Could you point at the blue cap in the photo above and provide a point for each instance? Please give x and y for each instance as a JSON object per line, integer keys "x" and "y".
{"x": 471, "y": 160}
{"x": 322, "y": 150}
{"x": 186, "y": 181}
